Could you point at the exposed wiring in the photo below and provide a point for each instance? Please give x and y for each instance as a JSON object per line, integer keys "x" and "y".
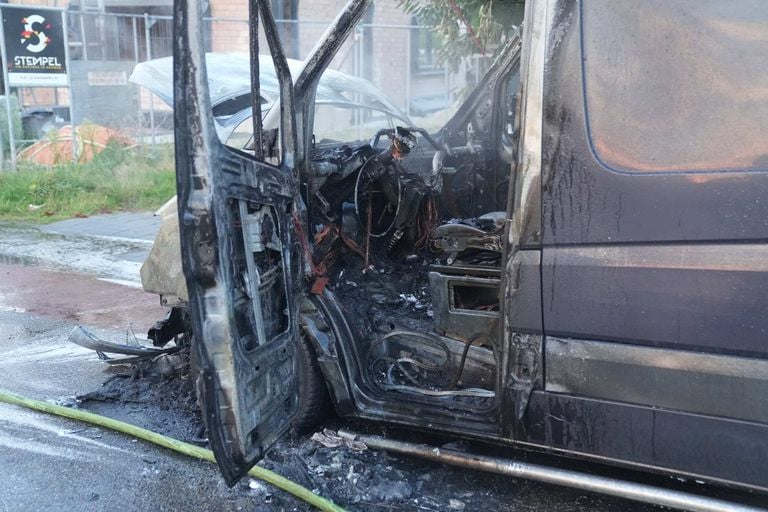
{"x": 167, "y": 442}
{"x": 362, "y": 188}
{"x": 426, "y": 221}
{"x": 467, "y": 346}
{"x": 474, "y": 392}
{"x": 417, "y": 387}
{"x": 430, "y": 339}
{"x": 368, "y": 231}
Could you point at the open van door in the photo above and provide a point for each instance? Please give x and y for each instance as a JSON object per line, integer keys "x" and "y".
{"x": 239, "y": 255}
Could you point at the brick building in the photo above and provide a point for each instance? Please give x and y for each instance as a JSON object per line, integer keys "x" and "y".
{"x": 112, "y": 35}
{"x": 385, "y": 49}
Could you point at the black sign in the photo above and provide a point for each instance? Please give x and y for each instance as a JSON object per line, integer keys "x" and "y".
{"x": 34, "y": 47}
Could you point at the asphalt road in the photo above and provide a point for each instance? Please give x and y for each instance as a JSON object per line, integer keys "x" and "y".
{"x": 48, "y": 463}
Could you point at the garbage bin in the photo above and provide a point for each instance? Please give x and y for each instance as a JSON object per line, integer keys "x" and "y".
{"x": 36, "y": 121}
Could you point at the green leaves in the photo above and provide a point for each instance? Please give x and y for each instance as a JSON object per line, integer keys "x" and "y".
{"x": 467, "y": 27}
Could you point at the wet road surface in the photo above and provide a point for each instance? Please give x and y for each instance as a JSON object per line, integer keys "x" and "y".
{"x": 48, "y": 463}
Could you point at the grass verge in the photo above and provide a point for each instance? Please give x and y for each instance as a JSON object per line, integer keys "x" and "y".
{"x": 117, "y": 179}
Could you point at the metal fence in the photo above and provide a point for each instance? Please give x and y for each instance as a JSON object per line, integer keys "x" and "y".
{"x": 104, "y": 48}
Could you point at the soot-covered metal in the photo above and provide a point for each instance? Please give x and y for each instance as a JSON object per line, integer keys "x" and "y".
{"x": 398, "y": 238}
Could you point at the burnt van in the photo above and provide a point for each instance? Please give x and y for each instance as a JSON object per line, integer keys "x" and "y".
{"x": 575, "y": 262}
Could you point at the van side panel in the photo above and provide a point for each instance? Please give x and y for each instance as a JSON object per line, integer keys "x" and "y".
{"x": 705, "y": 448}
{"x": 687, "y": 296}
{"x": 655, "y": 254}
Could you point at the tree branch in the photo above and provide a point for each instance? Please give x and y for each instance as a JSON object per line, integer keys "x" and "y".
{"x": 458, "y": 12}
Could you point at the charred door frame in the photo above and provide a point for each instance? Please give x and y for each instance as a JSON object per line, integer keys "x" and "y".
{"x": 522, "y": 325}
{"x": 249, "y": 390}
{"x": 478, "y": 423}
{"x": 338, "y": 346}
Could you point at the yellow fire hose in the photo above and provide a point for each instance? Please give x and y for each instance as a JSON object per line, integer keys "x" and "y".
{"x": 167, "y": 442}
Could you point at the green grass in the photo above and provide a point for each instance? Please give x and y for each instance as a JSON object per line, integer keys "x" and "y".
{"x": 117, "y": 179}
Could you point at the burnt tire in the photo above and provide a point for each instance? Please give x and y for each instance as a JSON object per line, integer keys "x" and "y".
{"x": 314, "y": 402}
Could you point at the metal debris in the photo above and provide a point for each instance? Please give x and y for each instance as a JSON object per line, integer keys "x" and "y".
{"x": 330, "y": 439}
{"x": 83, "y": 337}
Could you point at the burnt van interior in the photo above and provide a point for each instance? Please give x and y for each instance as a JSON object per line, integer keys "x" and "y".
{"x": 407, "y": 231}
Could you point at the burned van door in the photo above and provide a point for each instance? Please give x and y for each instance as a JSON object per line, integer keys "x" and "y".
{"x": 240, "y": 258}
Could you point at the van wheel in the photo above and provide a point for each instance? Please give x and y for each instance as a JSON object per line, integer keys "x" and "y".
{"x": 314, "y": 402}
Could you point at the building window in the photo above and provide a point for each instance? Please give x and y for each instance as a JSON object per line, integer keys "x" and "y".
{"x": 424, "y": 50}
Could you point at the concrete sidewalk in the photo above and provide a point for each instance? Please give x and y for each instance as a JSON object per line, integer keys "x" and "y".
{"x": 141, "y": 226}
{"x": 110, "y": 247}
